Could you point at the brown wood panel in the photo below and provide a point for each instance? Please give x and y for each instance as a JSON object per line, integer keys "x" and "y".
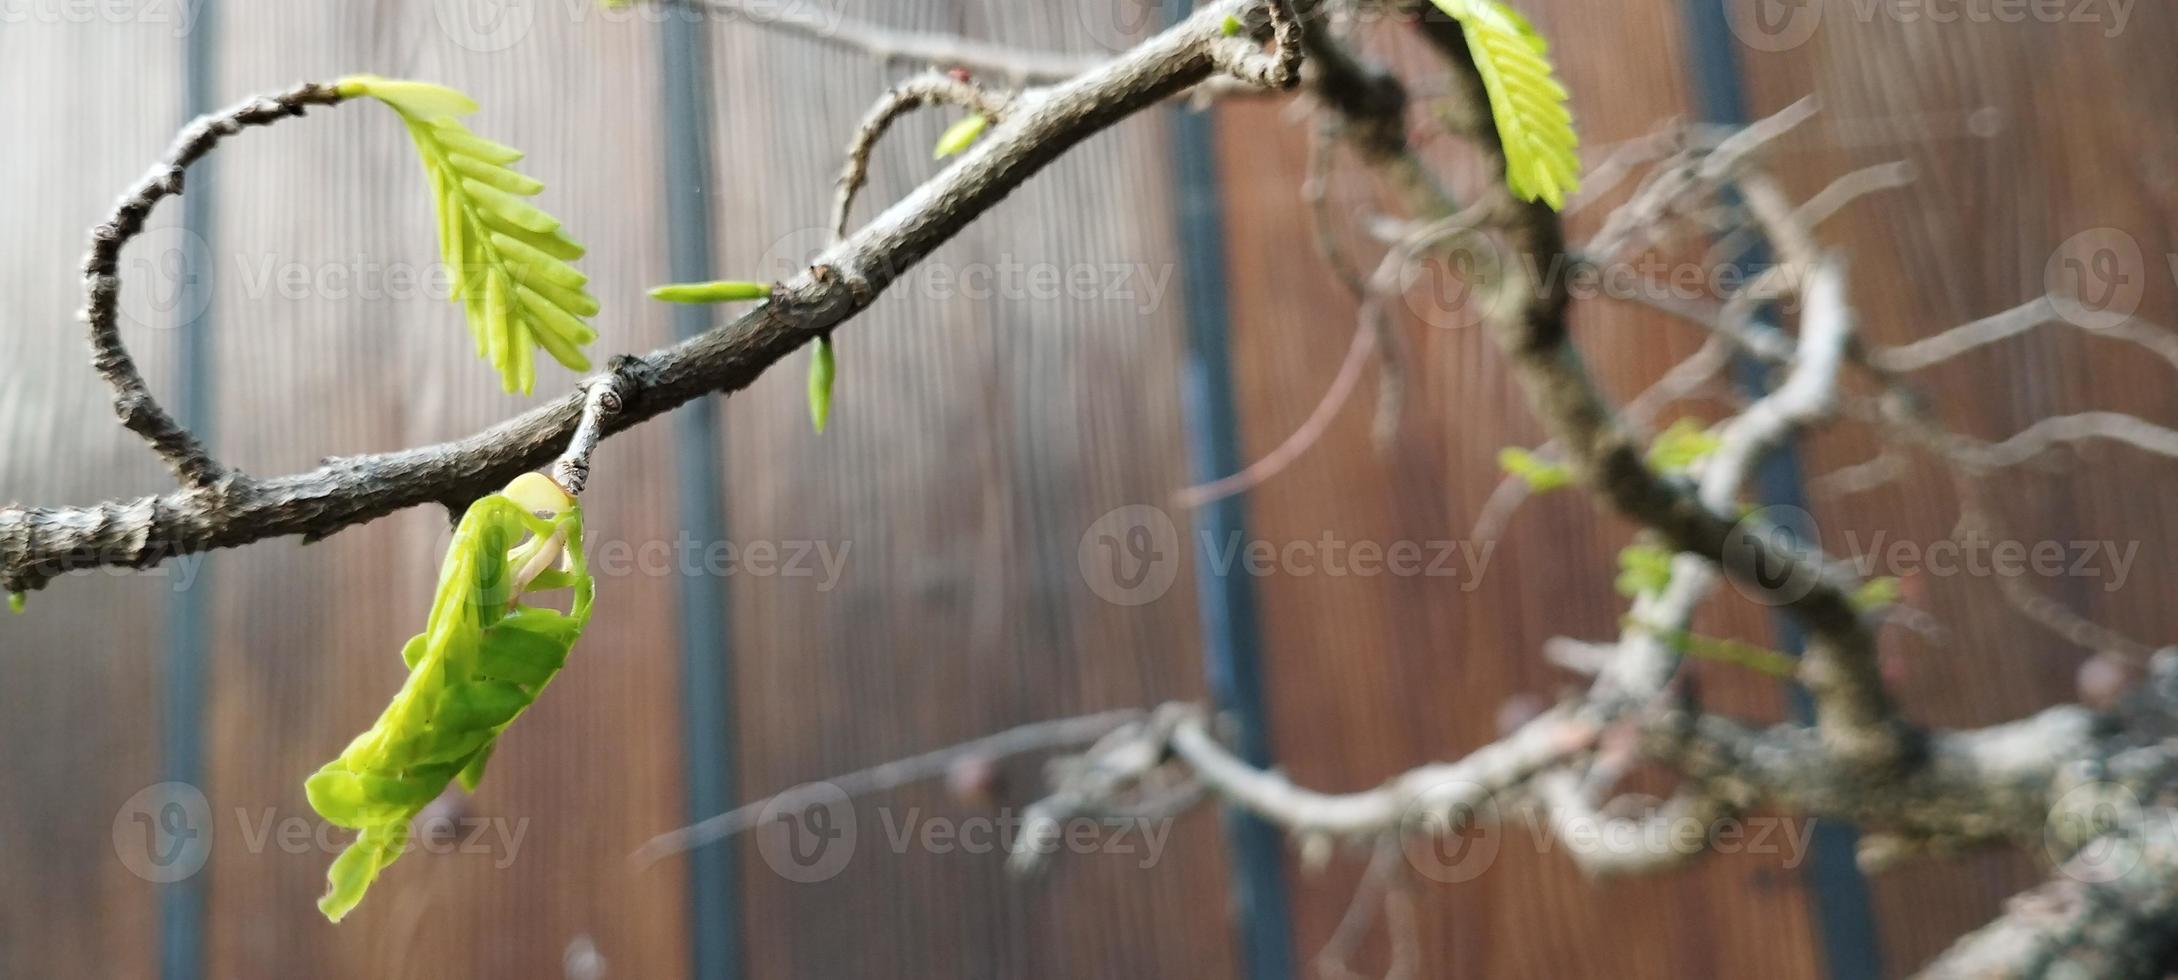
{"x": 2026, "y": 134}
{"x": 334, "y": 339}
{"x": 93, "y": 102}
{"x": 1370, "y": 675}
{"x": 974, "y": 441}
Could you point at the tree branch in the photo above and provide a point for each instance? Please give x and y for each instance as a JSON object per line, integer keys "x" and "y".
{"x": 39, "y": 543}
{"x": 133, "y": 401}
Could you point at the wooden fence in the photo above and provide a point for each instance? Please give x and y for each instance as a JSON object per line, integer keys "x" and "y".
{"x": 985, "y": 422}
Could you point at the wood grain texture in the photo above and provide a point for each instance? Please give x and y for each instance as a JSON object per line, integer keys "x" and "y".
{"x": 982, "y": 425}
{"x": 1372, "y": 674}
{"x": 336, "y": 337}
{"x": 983, "y": 421}
{"x": 80, "y": 707}
{"x": 2026, "y": 135}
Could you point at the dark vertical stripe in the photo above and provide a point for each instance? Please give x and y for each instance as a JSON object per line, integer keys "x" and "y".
{"x": 706, "y": 670}
{"x": 1226, "y": 597}
{"x": 1844, "y": 920}
{"x": 181, "y": 903}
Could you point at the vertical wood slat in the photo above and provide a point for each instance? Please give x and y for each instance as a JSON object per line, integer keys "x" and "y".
{"x": 336, "y": 339}
{"x": 1843, "y": 917}
{"x": 96, "y": 102}
{"x": 974, "y": 441}
{"x": 293, "y": 674}
{"x": 1374, "y": 674}
{"x": 714, "y": 915}
{"x": 2024, "y": 135}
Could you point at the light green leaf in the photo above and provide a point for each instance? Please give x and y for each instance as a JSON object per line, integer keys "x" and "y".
{"x": 1735, "y": 652}
{"x": 1682, "y": 445}
{"x": 1643, "y": 569}
{"x": 958, "y": 136}
{"x": 721, "y": 291}
{"x": 821, "y": 371}
{"x": 509, "y": 258}
{"x": 1231, "y": 27}
{"x": 1542, "y": 162}
{"x": 1541, "y": 475}
{"x": 17, "y": 602}
{"x": 480, "y": 662}
{"x": 1878, "y": 593}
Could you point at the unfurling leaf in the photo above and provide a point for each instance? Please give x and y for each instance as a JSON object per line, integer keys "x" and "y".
{"x": 721, "y": 291}
{"x": 1542, "y": 162}
{"x": 1643, "y": 569}
{"x": 1232, "y": 26}
{"x": 509, "y": 259}
{"x": 1737, "y": 653}
{"x": 1541, "y": 475}
{"x": 481, "y": 660}
{"x": 1878, "y": 593}
{"x": 957, "y": 136}
{"x": 1682, "y": 445}
{"x": 820, "y": 384}
{"x": 16, "y": 602}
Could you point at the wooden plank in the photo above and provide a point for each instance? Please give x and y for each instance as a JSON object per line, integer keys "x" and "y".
{"x": 1372, "y": 674}
{"x": 362, "y": 353}
{"x": 80, "y": 708}
{"x": 982, "y": 425}
{"x": 2025, "y": 135}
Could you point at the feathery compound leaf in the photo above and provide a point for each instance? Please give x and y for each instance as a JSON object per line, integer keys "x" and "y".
{"x": 481, "y": 660}
{"x": 722, "y": 291}
{"x": 509, "y": 258}
{"x": 958, "y": 136}
{"x": 1541, "y": 159}
{"x": 821, "y": 369}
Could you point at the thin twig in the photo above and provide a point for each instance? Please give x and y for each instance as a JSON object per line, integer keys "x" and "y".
{"x": 133, "y": 402}
{"x": 1034, "y": 737}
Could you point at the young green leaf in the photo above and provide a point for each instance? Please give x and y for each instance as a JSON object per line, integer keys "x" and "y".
{"x": 1541, "y": 475}
{"x": 1878, "y": 593}
{"x": 1231, "y": 27}
{"x": 16, "y": 602}
{"x": 958, "y": 136}
{"x": 820, "y": 384}
{"x": 1737, "y": 653}
{"x": 1682, "y": 445}
{"x": 1643, "y": 569}
{"x": 481, "y": 660}
{"x": 721, "y": 291}
{"x": 510, "y": 260}
{"x": 1526, "y": 101}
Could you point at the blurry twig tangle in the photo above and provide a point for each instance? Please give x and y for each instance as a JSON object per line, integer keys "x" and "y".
{"x": 1494, "y": 224}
